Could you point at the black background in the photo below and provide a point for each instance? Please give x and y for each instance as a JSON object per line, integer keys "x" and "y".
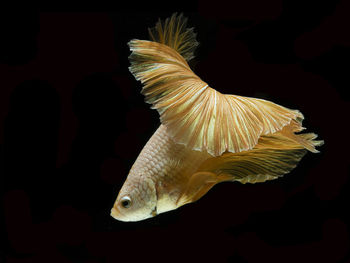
{"x": 72, "y": 122}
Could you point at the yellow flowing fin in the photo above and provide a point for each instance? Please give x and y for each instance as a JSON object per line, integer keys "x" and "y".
{"x": 195, "y": 114}
{"x": 198, "y": 185}
{"x": 306, "y": 139}
{"x": 174, "y": 33}
{"x": 273, "y": 156}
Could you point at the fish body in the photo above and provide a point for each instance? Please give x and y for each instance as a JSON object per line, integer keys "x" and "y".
{"x": 161, "y": 171}
{"x": 205, "y": 137}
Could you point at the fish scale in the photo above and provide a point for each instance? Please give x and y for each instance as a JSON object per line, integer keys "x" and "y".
{"x": 166, "y": 163}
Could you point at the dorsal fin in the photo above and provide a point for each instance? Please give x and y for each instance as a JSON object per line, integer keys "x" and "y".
{"x": 195, "y": 114}
{"x": 174, "y": 33}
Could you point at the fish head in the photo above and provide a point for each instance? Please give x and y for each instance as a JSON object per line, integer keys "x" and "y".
{"x": 137, "y": 200}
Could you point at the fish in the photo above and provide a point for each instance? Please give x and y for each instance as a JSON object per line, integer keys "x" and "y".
{"x": 205, "y": 137}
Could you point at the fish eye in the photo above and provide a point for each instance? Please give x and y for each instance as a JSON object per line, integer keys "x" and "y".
{"x": 126, "y": 202}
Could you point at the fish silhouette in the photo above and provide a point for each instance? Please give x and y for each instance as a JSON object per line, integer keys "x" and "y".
{"x": 205, "y": 137}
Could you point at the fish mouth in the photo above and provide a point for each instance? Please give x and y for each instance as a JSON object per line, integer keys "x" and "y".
{"x": 116, "y": 214}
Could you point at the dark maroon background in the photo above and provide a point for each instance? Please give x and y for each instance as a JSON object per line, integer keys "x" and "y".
{"x": 72, "y": 122}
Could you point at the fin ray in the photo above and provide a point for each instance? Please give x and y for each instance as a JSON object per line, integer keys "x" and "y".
{"x": 273, "y": 156}
{"x": 174, "y": 33}
{"x": 195, "y": 114}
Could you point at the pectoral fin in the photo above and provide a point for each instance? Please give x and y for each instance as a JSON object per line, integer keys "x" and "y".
{"x": 198, "y": 185}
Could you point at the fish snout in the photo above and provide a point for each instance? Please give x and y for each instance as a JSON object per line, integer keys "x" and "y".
{"x": 116, "y": 214}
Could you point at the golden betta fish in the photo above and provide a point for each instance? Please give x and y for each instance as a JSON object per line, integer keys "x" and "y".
{"x": 205, "y": 137}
